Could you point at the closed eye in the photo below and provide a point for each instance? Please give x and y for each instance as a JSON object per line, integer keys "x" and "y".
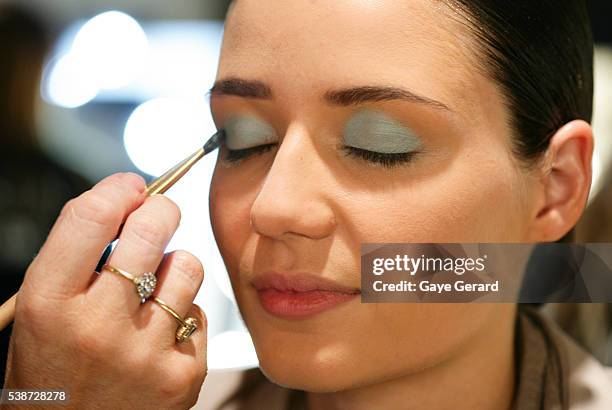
{"x": 388, "y": 160}
{"x": 379, "y": 158}
{"x": 235, "y": 156}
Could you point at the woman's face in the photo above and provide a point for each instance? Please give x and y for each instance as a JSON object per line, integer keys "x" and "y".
{"x": 368, "y": 121}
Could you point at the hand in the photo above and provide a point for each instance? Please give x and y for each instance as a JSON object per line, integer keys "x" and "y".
{"x": 88, "y": 334}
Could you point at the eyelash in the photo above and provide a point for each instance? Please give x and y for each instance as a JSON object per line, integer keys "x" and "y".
{"x": 376, "y": 158}
{"x": 236, "y": 155}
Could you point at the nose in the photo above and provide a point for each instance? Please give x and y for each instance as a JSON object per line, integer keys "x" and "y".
{"x": 295, "y": 195}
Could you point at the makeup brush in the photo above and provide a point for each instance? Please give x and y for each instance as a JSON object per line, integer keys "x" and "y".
{"x": 157, "y": 186}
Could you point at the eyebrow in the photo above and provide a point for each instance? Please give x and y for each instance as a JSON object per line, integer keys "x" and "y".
{"x": 241, "y": 88}
{"x": 360, "y": 95}
{"x": 343, "y": 97}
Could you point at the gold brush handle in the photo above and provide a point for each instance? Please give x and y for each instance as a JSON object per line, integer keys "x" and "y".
{"x": 164, "y": 182}
{"x": 157, "y": 186}
{"x": 7, "y": 311}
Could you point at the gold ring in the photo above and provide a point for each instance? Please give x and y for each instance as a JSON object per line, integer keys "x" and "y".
{"x": 145, "y": 283}
{"x": 186, "y": 327}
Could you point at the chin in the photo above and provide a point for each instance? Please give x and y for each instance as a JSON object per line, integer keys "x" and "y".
{"x": 308, "y": 371}
{"x": 315, "y": 354}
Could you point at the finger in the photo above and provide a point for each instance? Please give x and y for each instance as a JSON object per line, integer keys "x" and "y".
{"x": 192, "y": 352}
{"x": 85, "y": 226}
{"x": 186, "y": 361}
{"x": 195, "y": 346}
{"x": 140, "y": 249}
{"x": 179, "y": 279}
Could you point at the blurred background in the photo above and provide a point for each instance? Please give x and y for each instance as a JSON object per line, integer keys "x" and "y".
{"x": 90, "y": 88}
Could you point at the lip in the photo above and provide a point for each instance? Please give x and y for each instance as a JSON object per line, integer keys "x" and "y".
{"x": 299, "y": 295}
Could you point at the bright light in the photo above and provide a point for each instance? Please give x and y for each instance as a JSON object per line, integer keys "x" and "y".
{"x": 231, "y": 350}
{"x": 183, "y": 58}
{"x": 160, "y": 59}
{"x": 114, "y": 47}
{"x": 69, "y": 84}
{"x": 163, "y": 131}
{"x": 108, "y": 52}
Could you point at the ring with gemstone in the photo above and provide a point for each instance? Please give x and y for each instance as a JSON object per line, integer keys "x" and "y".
{"x": 185, "y": 328}
{"x": 145, "y": 283}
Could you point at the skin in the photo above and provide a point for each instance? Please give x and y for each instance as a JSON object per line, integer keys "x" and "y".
{"x": 87, "y": 334}
{"x": 374, "y": 131}
{"x": 306, "y": 205}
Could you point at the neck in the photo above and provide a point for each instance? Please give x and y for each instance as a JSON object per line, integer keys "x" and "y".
{"x": 480, "y": 377}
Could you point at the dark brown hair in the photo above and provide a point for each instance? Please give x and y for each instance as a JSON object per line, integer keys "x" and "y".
{"x": 541, "y": 55}
{"x": 540, "y": 52}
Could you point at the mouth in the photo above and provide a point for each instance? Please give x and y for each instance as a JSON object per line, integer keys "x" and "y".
{"x": 299, "y": 295}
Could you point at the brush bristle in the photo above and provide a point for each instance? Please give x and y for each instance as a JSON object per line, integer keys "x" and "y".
{"x": 214, "y": 141}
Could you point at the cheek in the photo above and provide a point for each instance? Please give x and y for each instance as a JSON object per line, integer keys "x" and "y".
{"x": 470, "y": 201}
{"x": 231, "y": 198}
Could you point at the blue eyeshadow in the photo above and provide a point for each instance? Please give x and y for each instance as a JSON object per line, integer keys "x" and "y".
{"x": 375, "y": 131}
{"x": 246, "y": 131}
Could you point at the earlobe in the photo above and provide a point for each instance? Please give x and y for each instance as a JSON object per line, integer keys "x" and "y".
{"x": 566, "y": 180}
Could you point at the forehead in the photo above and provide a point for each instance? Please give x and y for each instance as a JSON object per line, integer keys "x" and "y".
{"x": 307, "y": 46}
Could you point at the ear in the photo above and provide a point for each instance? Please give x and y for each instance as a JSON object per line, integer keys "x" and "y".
{"x": 565, "y": 182}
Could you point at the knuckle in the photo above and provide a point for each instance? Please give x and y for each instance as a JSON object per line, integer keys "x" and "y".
{"x": 179, "y": 383}
{"x": 190, "y": 375}
{"x": 192, "y": 399}
{"x": 170, "y": 208}
{"x": 92, "y": 209}
{"x": 31, "y": 310}
{"x": 189, "y": 265}
{"x": 148, "y": 229}
{"x": 129, "y": 180}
